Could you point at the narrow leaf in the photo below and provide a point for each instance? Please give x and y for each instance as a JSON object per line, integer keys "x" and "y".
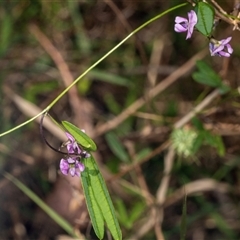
{"x": 205, "y": 14}
{"x": 93, "y": 209}
{"x": 102, "y": 197}
{"x": 82, "y": 138}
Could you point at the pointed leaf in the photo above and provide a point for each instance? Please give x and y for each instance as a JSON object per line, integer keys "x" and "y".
{"x": 102, "y": 197}
{"x": 205, "y": 14}
{"x": 93, "y": 208}
{"x": 82, "y": 138}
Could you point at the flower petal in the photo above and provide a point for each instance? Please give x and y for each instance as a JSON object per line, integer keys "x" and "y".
{"x": 179, "y": 28}
{"x": 64, "y": 166}
{"x": 225, "y": 41}
{"x": 181, "y": 20}
{"x": 72, "y": 171}
{"x": 81, "y": 166}
{"x": 229, "y": 48}
{"x": 70, "y": 137}
{"x": 192, "y": 16}
{"x": 224, "y": 54}
{"x": 71, "y": 160}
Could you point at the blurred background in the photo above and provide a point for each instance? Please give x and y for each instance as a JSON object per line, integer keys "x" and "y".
{"x": 133, "y": 105}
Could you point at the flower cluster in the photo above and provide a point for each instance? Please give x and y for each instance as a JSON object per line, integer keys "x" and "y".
{"x": 217, "y": 48}
{"x": 72, "y": 163}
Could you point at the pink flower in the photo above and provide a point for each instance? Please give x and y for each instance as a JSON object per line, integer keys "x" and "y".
{"x": 186, "y": 25}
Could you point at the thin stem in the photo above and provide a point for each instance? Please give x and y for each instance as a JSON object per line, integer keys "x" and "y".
{"x": 48, "y": 144}
{"x": 44, "y": 138}
{"x": 93, "y": 66}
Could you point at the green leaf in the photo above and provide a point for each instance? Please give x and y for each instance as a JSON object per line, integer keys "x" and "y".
{"x": 116, "y": 146}
{"x": 95, "y": 213}
{"x": 100, "y": 197}
{"x": 205, "y": 14}
{"x": 206, "y": 75}
{"x": 82, "y": 138}
{"x": 51, "y": 213}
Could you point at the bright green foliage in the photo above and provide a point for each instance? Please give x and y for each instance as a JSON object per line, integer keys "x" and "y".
{"x": 82, "y": 138}
{"x": 98, "y": 200}
{"x": 205, "y": 14}
{"x": 207, "y": 76}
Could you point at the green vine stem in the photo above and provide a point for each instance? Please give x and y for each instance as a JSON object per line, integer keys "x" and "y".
{"x": 94, "y": 65}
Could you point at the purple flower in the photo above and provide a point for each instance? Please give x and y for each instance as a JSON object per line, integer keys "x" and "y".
{"x": 72, "y": 166}
{"x": 72, "y": 163}
{"x": 220, "y": 48}
{"x": 72, "y": 145}
{"x": 186, "y": 25}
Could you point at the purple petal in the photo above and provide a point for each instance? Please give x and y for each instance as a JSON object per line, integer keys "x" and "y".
{"x": 225, "y": 41}
{"x": 192, "y": 17}
{"x": 229, "y": 48}
{"x": 81, "y": 166}
{"x": 192, "y": 22}
{"x": 73, "y": 148}
{"x": 72, "y": 171}
{"x": 218, "y": 49}
{"x": 224, "y": 54}
{"x": 70, "y": 137}
{"x": 181, "y": 20}
{"x": 179, "y": 28}
{"x": 64, "y": 166}
{"x": 71, "y": 160}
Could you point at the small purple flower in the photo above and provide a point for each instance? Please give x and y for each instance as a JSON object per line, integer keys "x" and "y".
{"x": 72, "y": 166}
{"x": 220, "y": 48}
{"x": 186, "y": 25}
{"x": 72, "y": 163}
{"x": 72, "y": 145}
